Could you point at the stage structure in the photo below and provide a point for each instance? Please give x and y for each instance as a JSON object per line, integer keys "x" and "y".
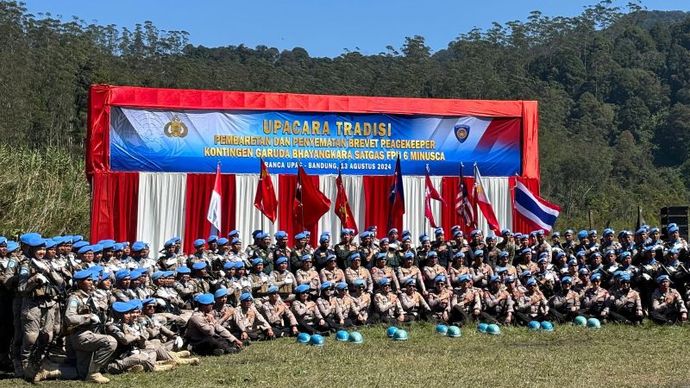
{"x": 152, "y": 153}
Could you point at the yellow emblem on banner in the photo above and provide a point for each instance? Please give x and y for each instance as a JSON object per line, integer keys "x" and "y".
{"x": 175, "y": 128}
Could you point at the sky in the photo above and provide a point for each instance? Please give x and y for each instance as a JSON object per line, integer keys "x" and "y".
{"x": 324, "y": 28}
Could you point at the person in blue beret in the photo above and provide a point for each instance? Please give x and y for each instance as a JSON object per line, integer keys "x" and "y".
{"x": 306, "y": 274}
{"x": 667, "y": 305}
{"x": 200, "y": 254}
{"x": 183, "y": 286}
{"x": 323, "y": 251}
{"x": 344, "y": 248}
{"x": 283, "y": 279}
{"x": 367, "y": 250}
{"x": 123, "y": 290}
{"x": 252, "y": 326}
{"x": 205, "y": 335}
{"x": 258, "y": 278}
{"x": 532, "y": 305}
{"x": 595, "y": 299}
{"x": 169, "y": 259}
{"x": 497, "y": 303}
{"x": 306, "y": 312}
{"x": 200, "y": 280}
{"x": 280, "y": 249}
{"x": 278, "y": 314}
{"x": 564, "y": 305}
{"x": 625, "y": 304}
{"x": 261, "y": 249}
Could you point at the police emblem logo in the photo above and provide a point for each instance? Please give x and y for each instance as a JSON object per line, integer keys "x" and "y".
{"x": 175, "y": 128}
{"x": 462, "y": 131}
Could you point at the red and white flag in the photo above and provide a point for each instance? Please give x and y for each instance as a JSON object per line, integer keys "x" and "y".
{"x": 430, "y": 193}
{"x": 214, "y": 214}
{"x": 484, "y": 203}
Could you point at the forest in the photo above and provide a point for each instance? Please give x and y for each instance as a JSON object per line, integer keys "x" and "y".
{"x": 613, "y": 86}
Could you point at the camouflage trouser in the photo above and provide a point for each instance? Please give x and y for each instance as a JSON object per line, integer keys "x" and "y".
{"x": 93, "y": 351}
{"x": 37, "y": 326}
{"x": 144, "y": 357}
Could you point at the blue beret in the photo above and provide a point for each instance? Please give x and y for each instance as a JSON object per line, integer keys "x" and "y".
{"x": 324, "y": 237}
{"x": 555, "y": 234}
{"x": 223, "y": 241}
{"x": 583, "y": 271}
{"x": 199, "y": 243}
{"x": 246, "y": 296}
{"x": 572, "y": 262}
{"x": 582, "y": 234}
{"x": 456, "y": 233}
{"x": 77, "y": 238}
{"x": 464, "y": 278}
{"x": 122, "y": 307}
{"x": 581, "y": 253}
{"x": 672, "y": 229}
{"x": 384, "y": 282}
{"x": 331, "y": 257}
{"x": 50, "y": 243}
{"x": 183, "y": 270}
{"x": 281, "y": 260}
{"x": 341, "y": 286}
{"x": 148, "y": 301}
{"x": 406, "y": 232}
{"x": 531, "y": 282}
{"x": 121, "y": 274}
{"x": 475, "y": 232}
{"x": 494, "y": 279}
{"x": 137, "y": 273}
{"x": 326, "y": 285}
{"x": 596, "y": 254}
{"x": 307, "y": 257}
{"x": 525, "y": 251}
{"x": 136, "y": 303}
{"x": 124, "y": 243}
{"x": 257, "y": 261}
{"x": 12, "y": 246}
{"x": 235, "y": 241}
{"x": 300, "y": 236}
{"x": 117, "y": 247}
{"x": 440, "y": 279}
{"x": 234, "y": 233}
{"x": 409, "y": 282}
{"x": 567, "y": 279}
{"x": 424, "y": 238}
{"x": 509, "y": 279}
{"x": 24, "y": 238}
{"x": 393, "y": 230}
{"x": 625, "y": 276}
{"x": 355, "y": 256}
{"x": 272, "y": 289}
{"x": 408, "y": 255}
{"x": 663, "y": 278}
{"x": 97, "y": 248}
{"x": 261, "y": 236}
{"x": 239, "y": 265}
{"x": 543, "y": 260}
{"x": 479, "y": 252}
{"x": 229, "y": 265}
{"x": 212, "y": 238}
{"x": 82, "y": 275}
{"x": 157, "y": 275}
{"x": 365, "y": 234}
{"x": 500, "y": 270}
{"x": 379, "y": 256}
{"x": 560, "y": 254}
{"x": 525, "y": 273}
{"x": 384, "y": 240}
{"x": 204, "y": 299}
{"x": 458, "y": 255}
{"x": 608, "y": 231}
{"x": 138, "y": 246}
{"x": 107, "y": 244}
{"x": 302, "y": 288}
{"x": 544, "y": 255}
{"x": 359, "y": 283}
{"x": 35, "y": 241}
{"x": 221, "y": 292}
{"x": 199, "y": 265}
{"x": 86, "y": 248}
{"x": 595, "y": 276}
{"x": 438, "y": 231}
{"x": 281, "y": 234}
{"x": 592, "y": 232}
{"x": 432, "y": 254}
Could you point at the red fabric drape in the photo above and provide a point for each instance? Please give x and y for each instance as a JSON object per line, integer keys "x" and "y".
{"x": 114, "y": 205}
{"x": 286, "y": 201}
{"x": 377, "y": 206}
{"x": 449, "y": 190}
{"x": 197, "y": 199}
{"x": 530, "y": 141}
{"x": 520, "y": 224}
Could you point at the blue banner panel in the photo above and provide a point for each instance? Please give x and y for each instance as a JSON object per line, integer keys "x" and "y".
{"x": 361, "y": 144}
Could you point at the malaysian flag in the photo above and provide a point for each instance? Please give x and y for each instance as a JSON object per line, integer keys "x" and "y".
{"x": 462, "y": 203}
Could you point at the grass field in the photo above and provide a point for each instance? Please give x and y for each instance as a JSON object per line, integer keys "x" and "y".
{"x": 569, "y": 356}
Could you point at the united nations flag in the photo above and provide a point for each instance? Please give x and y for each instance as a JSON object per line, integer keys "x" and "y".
{"x": 462, "y": 131}
{"x": 175, "y": 128}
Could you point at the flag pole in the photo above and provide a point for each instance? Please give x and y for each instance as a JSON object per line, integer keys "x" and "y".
{"x": 301, "y": 195}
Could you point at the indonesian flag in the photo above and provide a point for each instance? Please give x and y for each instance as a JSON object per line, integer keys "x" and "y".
{"x": 265, "y": 198}
{"x": 214, "y": 215}
{"x": 484, "y": 203}
{"x": 342, "y": 206}
{"x": 430, "y": 193}
{"x": 463, "y": 206}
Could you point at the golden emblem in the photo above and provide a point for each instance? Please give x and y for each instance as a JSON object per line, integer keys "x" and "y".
{"x": 175, "y": 128}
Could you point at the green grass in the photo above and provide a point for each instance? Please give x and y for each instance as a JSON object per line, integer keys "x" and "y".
{"x": 570, "y": 356}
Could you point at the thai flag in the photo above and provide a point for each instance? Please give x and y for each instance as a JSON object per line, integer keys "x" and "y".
{"x": 214, "y": 215}
{"x": 535, "y": 210}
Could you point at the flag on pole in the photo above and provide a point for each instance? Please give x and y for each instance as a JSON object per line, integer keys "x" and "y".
{"x": 463, "y": 206}
{"x": 310, "y": 203}
{"x": 397, "y": 196}
{"x": 484, "y": 203}
{"x": 342, "y": 206}
{"x": 430, "y": 193}
{"x": 214, "y": 213}
{"x": 265, "y": 199}
{"x": 538, "y": 213}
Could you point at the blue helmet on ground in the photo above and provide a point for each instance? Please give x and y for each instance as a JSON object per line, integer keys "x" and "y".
{"x": 400, "y": 335}
{"x": 441, "y": 329}
{"x": 454, "y": 332}
{"x": 303, "y": 338}
{"x": 342, "y": 336}
{"x": 317, "y": 340}
{"x": 493, "y": 329}
{"x": 390, "y": 332}
{"x": 580, "y": 321}
{"x": 593, "y": 323}
{"x": 356, "y": 337}
{"x": 547, "y": 326}
{"x": 482, "y": 327}
{"x": 534, "y": 325}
